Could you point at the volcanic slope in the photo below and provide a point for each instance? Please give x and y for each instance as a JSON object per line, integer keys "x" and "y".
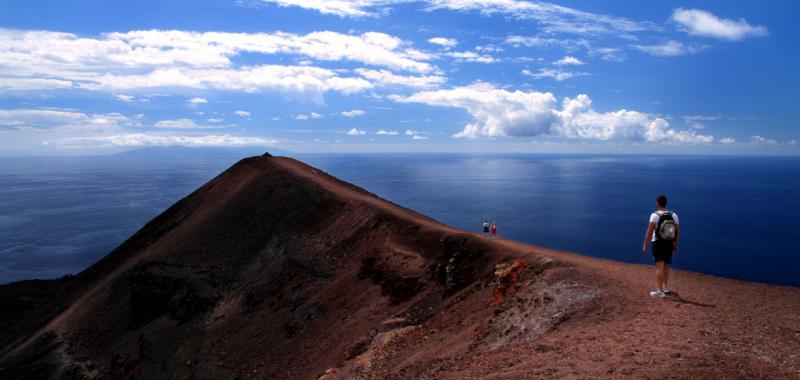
{"x": 275, "y": 269}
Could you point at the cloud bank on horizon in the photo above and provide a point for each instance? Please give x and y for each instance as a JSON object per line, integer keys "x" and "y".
{"x": 380, "y": 67}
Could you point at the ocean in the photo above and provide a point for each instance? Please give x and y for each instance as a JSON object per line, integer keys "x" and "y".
{"x": 738, "y": 214}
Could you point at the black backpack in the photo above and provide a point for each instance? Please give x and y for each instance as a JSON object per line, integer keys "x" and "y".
{"x": 666, "y": 228}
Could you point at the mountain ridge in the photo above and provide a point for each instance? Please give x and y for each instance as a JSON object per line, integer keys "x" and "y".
{"x": 275, "y": 269}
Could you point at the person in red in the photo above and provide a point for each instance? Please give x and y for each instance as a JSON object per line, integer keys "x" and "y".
{"x": 494, "y": 230}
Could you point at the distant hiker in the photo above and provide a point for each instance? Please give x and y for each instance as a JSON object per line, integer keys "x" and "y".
{"x": 494, "y": 230}
{"x": 486, "y": 227}
{"x": 662, "y": 234}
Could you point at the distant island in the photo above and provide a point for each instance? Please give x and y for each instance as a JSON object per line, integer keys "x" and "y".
{"x": 276, "y": 270}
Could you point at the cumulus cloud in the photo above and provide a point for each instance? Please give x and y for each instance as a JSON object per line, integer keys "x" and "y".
{"x": 63, "y": 120}
{"x": 242, "y": 113}
{"x": 551, "y": 17}
{"x": 387, "y": 78}
{"x": 444, "y": 42}
{"x": 356, "y": 132}
{"x": 183, "y": 124}
{"x": 669, "y": 49}
{"x": 136, "y": 140}
{"x": 415, "y": 135}
{"x": 387, "y": 133}
{"x": 761, "y": 140}
{"x": 727, "y": 140}
{"x": 41, "y": 60}
{"x": 499, "y": 112}
{"x": 568, "y": 60}
{"x": 215, "y": 120}
{"x": 353, "y": 113}
{"x": 557, "y": 74}
{"x": 125, "y": 98}
{"x": 198, "y": 101}
{"x": 312, "y": 115}
{"x": 341, "y": 8}
{"x": 703, "y": 23}
{"x": 470, "y": 56}
{"x": 177, "y": 124}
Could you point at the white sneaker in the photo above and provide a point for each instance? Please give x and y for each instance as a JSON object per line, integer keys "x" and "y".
{"x": 656, "y": 293}
{"x": 666, "y": 290}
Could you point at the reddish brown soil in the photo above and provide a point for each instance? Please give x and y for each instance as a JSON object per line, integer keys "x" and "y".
{"x": 275, "y": 269}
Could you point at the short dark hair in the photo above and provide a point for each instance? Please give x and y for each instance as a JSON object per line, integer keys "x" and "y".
{"x": 662, "y": 200}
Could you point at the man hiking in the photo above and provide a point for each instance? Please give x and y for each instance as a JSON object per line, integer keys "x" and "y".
{"x": 486, "y": 227}
{"x": 662, "y": 234}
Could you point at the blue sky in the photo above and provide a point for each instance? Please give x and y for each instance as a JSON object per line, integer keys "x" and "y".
{"x": 91, "y": 77}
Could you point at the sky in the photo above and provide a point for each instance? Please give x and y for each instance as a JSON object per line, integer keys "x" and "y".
{"x": 99, "y": 77}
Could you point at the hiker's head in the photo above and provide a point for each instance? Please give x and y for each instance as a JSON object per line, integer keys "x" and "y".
{"x": 661, "y": 201}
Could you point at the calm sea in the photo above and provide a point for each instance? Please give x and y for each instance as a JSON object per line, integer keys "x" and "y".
{"x": 739, "y": 215}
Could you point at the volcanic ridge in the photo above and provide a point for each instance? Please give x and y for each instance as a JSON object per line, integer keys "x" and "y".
{"x": 277, "y": 270}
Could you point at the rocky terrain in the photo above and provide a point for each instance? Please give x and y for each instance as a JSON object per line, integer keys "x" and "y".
{"x": 276, "y": 270}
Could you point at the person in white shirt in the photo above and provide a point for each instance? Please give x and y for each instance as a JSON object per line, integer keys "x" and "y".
{"x": 662, "y": 235}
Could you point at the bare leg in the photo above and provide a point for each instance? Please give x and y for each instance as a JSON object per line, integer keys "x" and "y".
{"x": 666, "y": 275}
{"x": 659, "y": 275}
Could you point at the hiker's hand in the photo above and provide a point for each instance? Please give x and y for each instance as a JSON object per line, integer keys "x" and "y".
{"x": 675, "y": 246}
{"x": 644, "y": 248}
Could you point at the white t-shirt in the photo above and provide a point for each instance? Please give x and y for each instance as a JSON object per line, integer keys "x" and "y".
{"x": 656, "y": 216}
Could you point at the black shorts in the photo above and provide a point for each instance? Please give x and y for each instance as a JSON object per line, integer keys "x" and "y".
{"x": 662, "y": 251}
{"x": 486, "y": 229}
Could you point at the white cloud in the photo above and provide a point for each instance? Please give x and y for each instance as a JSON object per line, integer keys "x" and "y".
{"x": 568, "y": 60}
{"x": 470, "y": 56}
{"x": 215, "y": 120}
{"x": 727, "y": 140}
{"x": 356, "y": 132}
{"x": 242, "y": 113}
{"x": 499, "y": 112}
{"x": 415, "y": 135}
{"x": 557, "y": 74}
{"x": 63, "y": 120}
{"x": 28, "y": 83}
{"x": 353, "y": 113}
{"x": 182, "y": 124}
{"x": 551, "y": 17}
{"x": 315, "y": 115}
{"x": 198, "y": 101}
{"x": 341, "y": 8}
{"x": 39, "y": 60}
{"x": 132, "y": 140}
{"x": 301, "y": 117}
{"x": 702, "y": 23}
{"x": 387, "y": 133}
{"x": 701, "y": 117}
{"x": 669, "y": 49}
{"x": 761, "y": 140}
{"x": 387, "y": 78}
{"x": 444, "y": 42}
{"x": 125, "y": 98}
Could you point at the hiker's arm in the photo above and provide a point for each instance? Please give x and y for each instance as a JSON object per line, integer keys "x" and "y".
{"x": 648, "y": 236}
{"x": 677, "y": 235}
